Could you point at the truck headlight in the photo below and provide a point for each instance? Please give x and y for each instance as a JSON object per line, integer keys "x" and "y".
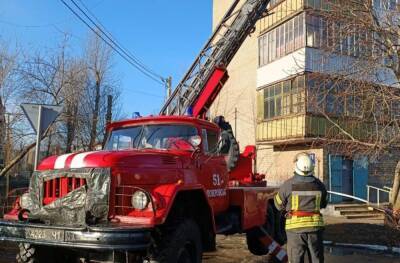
{"x": 25, "y": 201}
{"x": 140, "y": 200}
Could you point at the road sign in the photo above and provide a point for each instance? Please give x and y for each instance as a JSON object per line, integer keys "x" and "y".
{"x": 48, "y": 114}
{"x": 40, "y": 117}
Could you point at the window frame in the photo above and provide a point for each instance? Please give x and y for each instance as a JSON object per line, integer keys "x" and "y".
{"x": 205, "y": 140}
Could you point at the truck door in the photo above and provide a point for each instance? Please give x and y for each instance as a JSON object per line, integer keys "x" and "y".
{"x": 214, "y": 171}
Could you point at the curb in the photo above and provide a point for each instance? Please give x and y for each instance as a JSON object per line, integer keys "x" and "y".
{"x": 379, "y": 248}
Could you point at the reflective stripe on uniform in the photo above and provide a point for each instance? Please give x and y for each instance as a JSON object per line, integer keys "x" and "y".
{"x": 278, "y": 199}
{"x": 317, "y": 203}
{"x": 307, "y": 193}
{"x": 295, "y": 202}
{"x": 304, "y": 221}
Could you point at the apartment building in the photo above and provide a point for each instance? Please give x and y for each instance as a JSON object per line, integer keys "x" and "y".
{"x": 265, "y": 98}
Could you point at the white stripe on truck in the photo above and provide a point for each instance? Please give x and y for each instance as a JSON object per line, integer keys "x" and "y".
{"x": 79, "y": 160}
{"x": 60, "y": 161}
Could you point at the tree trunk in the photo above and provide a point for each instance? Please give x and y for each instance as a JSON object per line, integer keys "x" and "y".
{"x": 93, "y": 132}
{"x": 71, "y": 126}
{"x": 395, "y": 196}
{"x": 48, "y": 150}
{"x": 70, "y": 137}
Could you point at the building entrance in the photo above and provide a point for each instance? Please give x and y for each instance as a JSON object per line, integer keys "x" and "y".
{"x": 347, "y": 176}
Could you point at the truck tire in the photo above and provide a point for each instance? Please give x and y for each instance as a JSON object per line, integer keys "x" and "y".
{"x": 29, "y": 253}
{"x": 229, "y": 146}
{"x": 233, "y": 151}
{"x": 273, "y": 226}
{"x": 181, "y": 245}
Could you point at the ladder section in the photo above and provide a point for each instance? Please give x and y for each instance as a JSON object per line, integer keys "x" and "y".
{"x": 217, "y": 53}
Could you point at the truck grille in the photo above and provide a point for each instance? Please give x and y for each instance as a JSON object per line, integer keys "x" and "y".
{"x": 60, "y": 187}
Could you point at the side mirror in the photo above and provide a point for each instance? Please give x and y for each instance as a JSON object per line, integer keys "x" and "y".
{"x": 195, "y": 141}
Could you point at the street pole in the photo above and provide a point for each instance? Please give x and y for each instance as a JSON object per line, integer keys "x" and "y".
{"x": 108, "y": 116}
{"x": 8, "y": 153}
{"x": 169, "y": 91}
{"x": 38, "y": 137}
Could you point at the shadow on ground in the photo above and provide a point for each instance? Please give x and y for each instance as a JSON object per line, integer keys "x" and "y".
{"x": 360, "y": 233}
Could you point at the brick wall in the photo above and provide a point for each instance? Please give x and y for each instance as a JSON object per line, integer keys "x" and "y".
{"x": 381, "y": 170}
{"x": 278, "y": 164}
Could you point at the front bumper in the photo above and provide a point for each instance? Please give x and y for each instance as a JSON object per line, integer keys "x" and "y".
{"x": 98, "y": 238}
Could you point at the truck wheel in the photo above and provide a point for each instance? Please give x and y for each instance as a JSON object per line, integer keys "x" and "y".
{"x": 233, "y": 151}
{"x": 29, "y": 253}
{"x": 182, "y": 245}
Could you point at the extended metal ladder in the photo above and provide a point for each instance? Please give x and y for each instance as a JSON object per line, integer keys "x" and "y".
{"x": 217, "y": 53}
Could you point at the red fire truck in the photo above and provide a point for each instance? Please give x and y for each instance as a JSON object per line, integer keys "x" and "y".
{"x": 162, "y": 187}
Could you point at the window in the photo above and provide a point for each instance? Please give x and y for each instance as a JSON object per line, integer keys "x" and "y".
{"x": 290, "y": 37}
{"x": 284, "y": 98}
{"x": 210, "y": 140}
{"x": 385, "y": 4}
{"x": 124, "y": 139}
{"x": 313, "y": 25}
{"x": 316, "y": 4}
{"x": 282, "y": 40}
{"x": 274, "y": 2}
{"x": 278, "y": 40}
{"x": 334, "y": 97}
{"x": 337, "y": 37}
{"x": 160, "y": 137}
{"x": 271, "y": 46}
{"x": 261, "y": 55}
{"x": 392, "y": 4}
{"x": 298, "y": 31}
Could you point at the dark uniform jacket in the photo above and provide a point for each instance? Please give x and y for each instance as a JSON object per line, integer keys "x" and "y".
{"x": 302, "y": 197}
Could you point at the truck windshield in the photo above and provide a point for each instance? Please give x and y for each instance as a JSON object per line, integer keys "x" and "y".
{"x": 161, "y": 137}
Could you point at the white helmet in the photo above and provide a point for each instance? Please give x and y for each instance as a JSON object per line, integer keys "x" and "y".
{"x": 303, "y": 164}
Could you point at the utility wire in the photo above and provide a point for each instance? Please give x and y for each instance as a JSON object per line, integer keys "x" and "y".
{"x": 112, "y": 38}
{"x": 111, "y": 43}
{"x": 123, "y": 54}
{"x": 107, "y": 33}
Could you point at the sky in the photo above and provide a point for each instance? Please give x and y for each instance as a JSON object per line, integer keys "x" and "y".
{"x": 166, "y": 35}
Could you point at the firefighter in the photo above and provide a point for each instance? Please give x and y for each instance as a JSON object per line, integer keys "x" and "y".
{"x": 302, "y": 197}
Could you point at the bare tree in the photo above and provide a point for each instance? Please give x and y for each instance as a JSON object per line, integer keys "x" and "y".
{"x": 9, "y": 88}
{"x": 81, "y": 84}
{"x": 72, "y": 93}
{"x": 101, "y": 84}
{"x": 356, "y": 87}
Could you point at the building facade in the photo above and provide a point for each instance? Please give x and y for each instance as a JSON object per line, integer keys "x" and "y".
{"x": 265, "y": 98}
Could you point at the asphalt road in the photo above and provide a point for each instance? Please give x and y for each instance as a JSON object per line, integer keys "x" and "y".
{"x": 233, "y": 249}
